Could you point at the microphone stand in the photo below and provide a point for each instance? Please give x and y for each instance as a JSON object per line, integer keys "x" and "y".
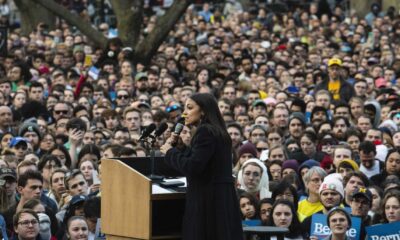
{"x": 150, "y": 145}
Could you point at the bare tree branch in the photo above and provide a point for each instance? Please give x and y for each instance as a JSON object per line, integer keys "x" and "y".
{"x": 74, "y": 20}
{"x": 32, "y": 14}
{"x": 148, "y": 46}
{"x": 130, "y": 18}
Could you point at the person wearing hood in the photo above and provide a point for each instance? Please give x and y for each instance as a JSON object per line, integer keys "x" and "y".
{"x": 373, "y": 109}
{"x": 253, "y": 178}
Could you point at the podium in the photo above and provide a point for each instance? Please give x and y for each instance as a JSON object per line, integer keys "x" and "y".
{"x": 129, "y": 208}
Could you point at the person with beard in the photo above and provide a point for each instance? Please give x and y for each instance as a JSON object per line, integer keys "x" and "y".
{"x": 340, "y": 126}
{"x": 247, "y": 66}
{"x": 6, "y": 116}
{"x": 342, "y": 109}
{"x": 318, "y": 116}
{"x": 153, "y": 80}
{"x": 335, "y": 83}
{"x": 141, "y": 83}
{"x": 368, "y": 164}
{"x": 331, "y": 195}
{"x": 297, "y": 125}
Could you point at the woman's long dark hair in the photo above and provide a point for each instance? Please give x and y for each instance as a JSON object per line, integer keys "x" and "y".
{"x": 253, "y": 201}
{"x": 294, "y": 227}
{"x": 212, "y": 115}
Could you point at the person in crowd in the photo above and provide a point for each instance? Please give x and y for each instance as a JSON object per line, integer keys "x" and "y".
{"x": 77, "y": 228}
{"x": 312, "y": 182}
{"x": 339, "y": 221}
{"x": 283, "y": 214}
{"x": 331, "y": 194}
{"x": 265, "y": 206}
{"x": 391, "y": 206}
{"x": 248, "y": 206}
{"x": 253, "y": 178}
{"x": 391, "y": 167}
{"x": 26, "y": 224}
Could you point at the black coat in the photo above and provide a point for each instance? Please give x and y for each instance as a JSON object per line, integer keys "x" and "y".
{"x": 346, "y": 90}
{"x": 212, "y": 210}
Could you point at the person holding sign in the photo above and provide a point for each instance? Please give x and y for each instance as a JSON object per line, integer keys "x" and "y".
{"x": 331, "y": 194}
{"x": 360, "y": 205}
{"x": 339, "y": 222}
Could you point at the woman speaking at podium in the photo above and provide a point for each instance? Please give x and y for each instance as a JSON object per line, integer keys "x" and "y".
{"x": 212, "y": 210}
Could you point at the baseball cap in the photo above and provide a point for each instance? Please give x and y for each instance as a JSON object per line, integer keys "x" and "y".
{"x": 364, "y": 192}
{"x": 77, "y": 199}
{"x": 140, "y": 76}
{"x": 334, "y": 61}
{"x": 380, "y": 82}
{"x": 259, "y": 102}
{"x": 16, "y": 140}
{"x": 7, "y": 172}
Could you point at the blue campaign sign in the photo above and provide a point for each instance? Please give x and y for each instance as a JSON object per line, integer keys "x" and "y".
{"x": 251, "y": 223}
{"x": 320, "y": 229}
{"x": 384, "y": 231}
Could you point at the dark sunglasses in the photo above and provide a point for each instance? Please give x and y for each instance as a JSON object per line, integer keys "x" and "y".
{"x": 122, "y": 96}
{"x": 261, "y": 149}
{"x": 172, "y": 108}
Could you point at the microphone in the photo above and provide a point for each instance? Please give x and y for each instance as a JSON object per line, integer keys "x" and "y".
{"x": 147, "y": 131}
{"x": 161, "y": 129}
{"x": 178, "y": 128}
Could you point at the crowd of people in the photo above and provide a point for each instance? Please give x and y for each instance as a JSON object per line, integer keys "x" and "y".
{"x": 310, "y": 99}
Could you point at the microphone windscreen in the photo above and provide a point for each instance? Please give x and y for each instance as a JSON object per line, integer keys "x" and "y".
{"x": 161, "y": 129}
{"x": 178, "y": 128}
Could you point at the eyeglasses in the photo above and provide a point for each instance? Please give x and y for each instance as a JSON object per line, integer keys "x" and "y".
{"x": 361, "y": 201}
{"x": 27, "y": 222}
{"x": 60, "y": 111}
{"x": 172, "y": 108}
{"x": 122, "y": 96}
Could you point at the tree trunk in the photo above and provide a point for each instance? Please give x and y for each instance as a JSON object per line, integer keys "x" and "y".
{"x": 148, "y": 46}
{"x": 85, "y": 27}
{"x": 129, "y": 14}
{"x": 32, "y": 14}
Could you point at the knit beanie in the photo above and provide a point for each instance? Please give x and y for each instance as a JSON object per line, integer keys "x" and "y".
{"x": 248, "y": 148}
{"x": 308, "y": 164}
{"x": 352, "y": 163}
{"x": 293, "y": 164}
{"x": 298, "y": 115}
{"x": 332, "y": 184}
{"x": 29, "y": 127}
